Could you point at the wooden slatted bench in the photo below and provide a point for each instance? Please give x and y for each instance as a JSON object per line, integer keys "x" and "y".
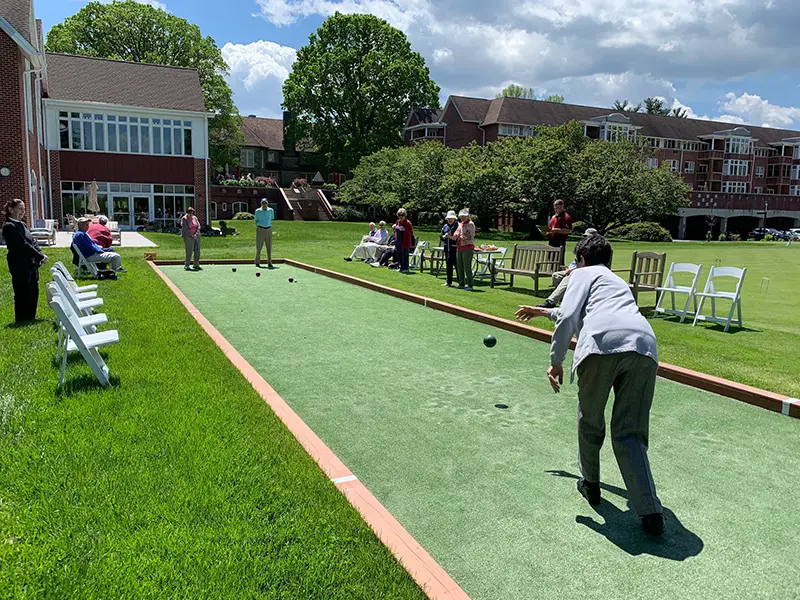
{"x": 646, "y": 273}
{"x": 534, "y": 260}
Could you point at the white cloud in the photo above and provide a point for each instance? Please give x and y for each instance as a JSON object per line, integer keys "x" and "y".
{"x": 442, "y": 54}
{"x": 257, "y": 73}
{"x": 753, "y": 109}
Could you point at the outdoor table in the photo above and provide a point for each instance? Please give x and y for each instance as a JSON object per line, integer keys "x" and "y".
{"x": 483, "y": 269}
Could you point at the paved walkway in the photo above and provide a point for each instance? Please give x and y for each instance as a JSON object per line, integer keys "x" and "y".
{"x": 130, "y": 239}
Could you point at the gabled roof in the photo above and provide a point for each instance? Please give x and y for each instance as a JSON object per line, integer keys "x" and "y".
{"x": 263, "y": 133}
{"x": 424, "y": 115}
{"x": 86, "y": 79}
{"x": 19, "y": 14}
{"x": 519, "y": 111}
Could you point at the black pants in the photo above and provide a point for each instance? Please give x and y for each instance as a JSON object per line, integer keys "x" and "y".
{"x": 26, "y": 294}
{"x": 450, "y": 258}
{"x": 387, "y": 255}
{"x": 402, "y": 257}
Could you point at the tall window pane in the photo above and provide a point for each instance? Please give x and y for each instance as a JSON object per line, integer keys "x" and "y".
{"x": 156, "y": 140}
{"x": 112, "y": 137}
{"x": 87, "y": 136}
{"x": 177, "y": 141}
{"x": 76, "y": 134}
{"x": 145, "y": 139}
{"x": 134, "y": 138}
{"x": 167, "y": 140}
{"x": 187, "y": 142}
{"x": 123, "y": 138}
{"x": 99, "y": 138}
{"x": 63, "y": 130}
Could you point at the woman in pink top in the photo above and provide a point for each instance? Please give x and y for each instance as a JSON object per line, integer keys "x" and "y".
{"x": 190, "y": 232}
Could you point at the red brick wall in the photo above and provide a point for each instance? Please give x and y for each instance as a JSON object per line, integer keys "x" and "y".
{"x": 126, "y": 168}
{"x": 459, "y": 133}
{"x": 12, "y": 141}
{"x": 55, "y": 184}
{"x": 200, "y": 189}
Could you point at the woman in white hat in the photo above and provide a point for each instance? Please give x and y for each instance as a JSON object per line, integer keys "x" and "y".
{"x": 465, "y": 236}
{"x": 448, "y": 238}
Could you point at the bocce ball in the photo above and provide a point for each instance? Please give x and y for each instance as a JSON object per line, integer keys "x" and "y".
{"x": 258, "y": 274}
{"x": 234, "y": 269}
{"x": 490, "y": 341}
{"x": 291, "y": 279}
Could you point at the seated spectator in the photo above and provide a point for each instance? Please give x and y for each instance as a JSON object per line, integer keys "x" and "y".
{"x": 386, "y": 259}
{"x": 100, "y": 233}
{"x": 92, "y": 252}
{"x": 561, "y": 279}
{"x": 366, "y": 250}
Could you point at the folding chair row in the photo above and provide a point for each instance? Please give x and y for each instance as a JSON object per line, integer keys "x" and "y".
{"x": 710, "y": 292}
{"x": 78, "y": 324}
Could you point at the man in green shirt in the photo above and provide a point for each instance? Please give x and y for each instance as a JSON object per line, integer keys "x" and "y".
{"x": 264, "y": 216}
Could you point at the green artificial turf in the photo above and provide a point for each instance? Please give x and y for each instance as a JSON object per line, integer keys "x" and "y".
{"x": 177, "y": 482}
{"x": 405, "y": 396}
{"x": 762, "y": 354}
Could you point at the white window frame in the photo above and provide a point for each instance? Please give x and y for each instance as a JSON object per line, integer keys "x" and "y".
{"x": 248, "y": 158}
{"x": 505, "y": 130}
{"x": 212, "y": 209}
{"x": 734, "y": 187}
{"x": 738, "y": 145}
{"x": 795, "y": 171}
{"x": 652, "y": 163}
{"x": 614, "y": 132}
{"x": 758, "y": 190}
{"x": 674, "y": 164}
{"x": 273, "y": 154}
{"x": 794, "y": 190}
{"x": 238, "y": 207}
{"x": 688, "y": 167}
{"x": 759, "y": 171}
{"x": 736, "y": 167}
{"x": 797, "y": 152}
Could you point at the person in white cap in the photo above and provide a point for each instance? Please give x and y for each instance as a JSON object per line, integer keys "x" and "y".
{"x": 561, "y": 279}
{"x": 91, "y": 251}
{"x": 448, "y": 238}
{"x": 465, "y": 240}
{"x": 263, "y": 217}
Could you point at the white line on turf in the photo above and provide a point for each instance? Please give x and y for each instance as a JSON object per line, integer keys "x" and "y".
{"x": 344, "y": 479}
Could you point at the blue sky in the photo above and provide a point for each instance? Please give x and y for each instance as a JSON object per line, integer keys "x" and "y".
{"x": 732, "y": 60}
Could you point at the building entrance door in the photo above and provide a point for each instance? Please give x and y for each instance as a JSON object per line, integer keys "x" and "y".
{"x": 140, "y": 209}
{"x": 121, "y": 211}
{"x": 131, "y": 211}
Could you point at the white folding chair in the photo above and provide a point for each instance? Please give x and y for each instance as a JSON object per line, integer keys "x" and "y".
{"x": 85, "y": 343}
{"x": 710, "y": 291}
{"x": 670, "y": 287}
{"x": 81, "y": 306}
{"x": 414, "y": 257}
{"x": 90, "y": 268}
{"x": 62, "y": 281}
{"x": 89, "y": 322}
{"x": 68, "y": 276}
{"x": 483, "y": 265}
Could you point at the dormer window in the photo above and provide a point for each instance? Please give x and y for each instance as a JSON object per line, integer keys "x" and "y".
{"x": 738, "y": 145}
{"x": 614, "y": 132}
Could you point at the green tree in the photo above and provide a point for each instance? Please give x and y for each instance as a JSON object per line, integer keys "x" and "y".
{"x": 353, "y": 86}
{"x": 679, "y": 112}
{"x": 557, "y": 98}
{"x": 517, "y": 91}
{"x": 656, "y": 106}
{"x": 127, "y": 30}
{"x": 625, "y": 106}
{"x": 615, "y": 186}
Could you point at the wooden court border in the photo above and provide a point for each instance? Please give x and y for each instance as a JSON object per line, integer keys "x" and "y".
{"x": 426, "y": 572}
{"x": 771, "y": 401}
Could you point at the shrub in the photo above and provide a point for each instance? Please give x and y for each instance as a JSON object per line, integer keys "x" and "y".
{"x": 579, "y": 227}
{"x": 266, "y": 181}
{"x": 300, "y": 183}
{"x": 769, "y": 238}
{"x": 734, "y": 237}
{"x": 347, "y": 213}
{"x": 243, "y": 216}
{"x": 640, "y": 232}
{"x": 723, "y": 237}
{"x": 330, "y": 186}
{"x": 428, "y": 218}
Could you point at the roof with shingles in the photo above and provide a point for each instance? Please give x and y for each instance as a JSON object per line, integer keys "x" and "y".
{"x": 263, "y": 133}
{"x": 87, "y": 79}
{"x": 18, "y": 13}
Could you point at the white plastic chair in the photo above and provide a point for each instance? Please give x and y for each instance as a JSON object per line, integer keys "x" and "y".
{"x": 84, "y": 264}
{"x": 89, "y": 322}
{"x": 735, "y": 297}
{"x": 671, "y": 288}
{"x": 82, "y": 306}
{"x": 68, "y": 276}
{"x": 85, "y": 343}
{"x": 116, "y": 234}
{"x": 414, "y": 261}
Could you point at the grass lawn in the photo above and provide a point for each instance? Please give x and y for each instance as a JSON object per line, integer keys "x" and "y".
{"x": 765, "y": 353}
{"x": 178, "y": 482}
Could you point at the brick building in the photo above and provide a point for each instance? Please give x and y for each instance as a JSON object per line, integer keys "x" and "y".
{"x": 743, "y": 176}
{"x": 139, "y": 131}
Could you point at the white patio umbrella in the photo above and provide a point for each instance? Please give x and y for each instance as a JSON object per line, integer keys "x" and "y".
{"x": 92, "y": 206}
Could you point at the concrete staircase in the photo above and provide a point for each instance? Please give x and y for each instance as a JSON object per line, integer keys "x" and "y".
{"x": 307, "y": 205}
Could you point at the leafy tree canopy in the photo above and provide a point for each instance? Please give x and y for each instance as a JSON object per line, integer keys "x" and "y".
{"x": 353, "y": 86}
{"x": 130, "y": 31}
{"x": 653, "y": 106}
{"x": 517, "y": 91}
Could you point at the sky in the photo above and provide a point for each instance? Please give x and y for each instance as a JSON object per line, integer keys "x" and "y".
{"x": 736, "y": 61}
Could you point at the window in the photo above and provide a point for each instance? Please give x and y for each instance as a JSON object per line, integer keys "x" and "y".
{"x": 794, "y": 190}
{"x": 796, "y": 172}
{"x": 273, "y": 156}
{"x": 673, "y": 165}
{"x": 692, "y": 146}
{"x": 28, "y": 96}
{"x": 702, "y": 168}
{"x": 759, "y": 171}
{"x": 212, "y": 207}
{"x": 99, "y": 133}
{"x": 248, "y": 159}
{"x": 735, "y": 168}
{"x": 506, "y": 130}
{"x": 786, "y": 172}
{"x": 764, "y": 152}
{"x": 770, "y": 191}
{"x": 738, "y": 145}
{"x": 759, "y": 190}
{"x": 773, "y": 170}
{"x": 688, "y": 167}
{"x": 734, "y": 187}
{"x": 652, "y": 163}
{"x": 238, "y": 207}
{"x": 671, "y": 144}
{"x": 613, "y": 133}
{"x": 797, "y": 152}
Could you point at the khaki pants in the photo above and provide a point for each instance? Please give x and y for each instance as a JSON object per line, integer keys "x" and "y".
{"x": 263, "y": 236}
{"x": 633, "y": 378}
{"x": 113, "y": 259}
{"x": 561, "y": 281}
{"x": 464, "y": 268}
{"x": 192, "y": 245}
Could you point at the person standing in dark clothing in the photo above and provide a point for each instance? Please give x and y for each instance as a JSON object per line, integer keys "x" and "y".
{"x": 24, "y": 259}
{"x": 450, "y": 244}
{"x": 560, "y": 225}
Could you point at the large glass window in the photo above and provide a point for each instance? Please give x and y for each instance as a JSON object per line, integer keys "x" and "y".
{"x": 734, "y": 187}
{"x": 615, "y": 133}
{"x": 737, "y": 168}
{"x": 738, "y": 145}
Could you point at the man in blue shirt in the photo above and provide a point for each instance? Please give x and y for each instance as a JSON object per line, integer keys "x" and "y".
{"x": 91, "y": 251}
{"x": 264, "y": 216}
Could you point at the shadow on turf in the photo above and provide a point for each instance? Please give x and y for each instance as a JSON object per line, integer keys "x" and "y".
{"x": 83, "y": 383}
{"x": 623, "y": 528}
{"x": 649, "y": 311}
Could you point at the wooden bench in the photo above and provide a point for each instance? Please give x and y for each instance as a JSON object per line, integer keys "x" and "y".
{"x": 535, "y": 261}
{"x": 646, "y": 273}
